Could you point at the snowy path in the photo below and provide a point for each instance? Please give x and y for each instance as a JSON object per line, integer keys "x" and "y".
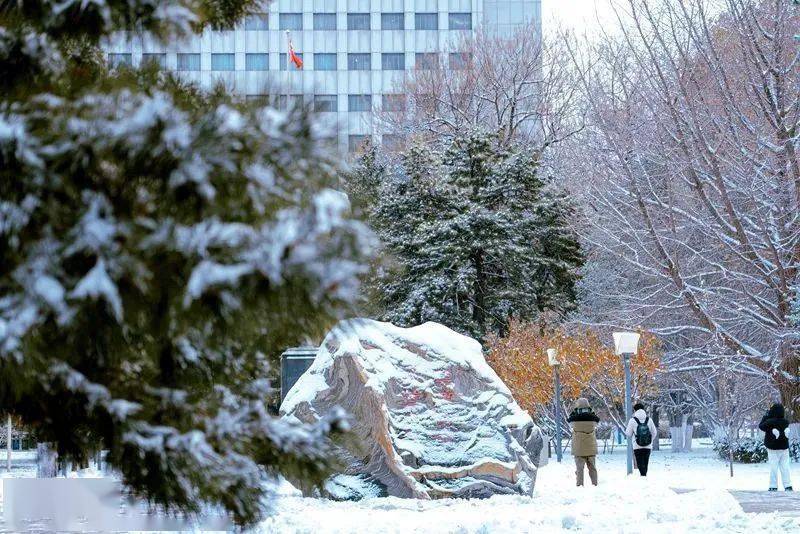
{"x": 786, "y": 504}
{"x": 619, "y": 504}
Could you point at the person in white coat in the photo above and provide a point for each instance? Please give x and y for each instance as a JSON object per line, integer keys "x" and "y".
{"x": 643, "y": 432}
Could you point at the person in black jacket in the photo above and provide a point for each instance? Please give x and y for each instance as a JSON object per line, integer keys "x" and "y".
{"x": 775, "y": 426}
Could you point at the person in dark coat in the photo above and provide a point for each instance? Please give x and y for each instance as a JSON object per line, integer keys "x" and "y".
{"x": 584, "y": 440}
{"x": 775, "y": 427}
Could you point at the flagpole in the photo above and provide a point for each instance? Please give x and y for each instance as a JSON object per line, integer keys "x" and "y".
{"x": 288, "y": 67}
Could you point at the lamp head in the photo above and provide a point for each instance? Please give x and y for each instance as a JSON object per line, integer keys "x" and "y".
{"x": 552, "y": 357}
{"x": 626, "y": 342}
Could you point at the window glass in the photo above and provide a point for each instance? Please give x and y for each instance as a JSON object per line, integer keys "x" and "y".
{"x": 158, "y": 59}
{"x": 359, "y": 61}
{"x": 393, "y": 61}
{"x": 282, "y": 60}
{"x": 426, "y": 21}
{"x": 256, "y": 61}
{"x": 188, "y": 61}
{"x": 427, "y": 60}
{"x": 426, "y": 101}
{"x": 295, "y": 101}
{"x": 460, "y": 21}
{"x": 324, "y": 21}
{"x": 290, "y": 21}
{"x": 359, "y": 102}
{"x": 222, "y": 62}
{"x": 459, "y": 60}
{"x": 119, "y": 60}
{"x": 392, "y": 142}
{"x": 358, "y": 21}
{"x": 356, "y": 143}
{"x": 324, "y": 61}
{"x": 394, "y": 102}
{"x": 261, "y": 100}
{"x": 392, "y": 21}
{"x": 324, "y": 103}
{"x": 256, "y": 21}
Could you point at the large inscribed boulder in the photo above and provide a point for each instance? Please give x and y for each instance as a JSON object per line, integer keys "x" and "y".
{"x": 430, "y": 418}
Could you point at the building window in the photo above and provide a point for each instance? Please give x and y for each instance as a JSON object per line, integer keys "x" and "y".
{"x": 393, "y": 61}
{"x": 324, "y": 21}
{"x": 256, "y": 61}
{"x": 357, "y": 143}
{"x": 460, "y": 60}
{"x": 358, "y": 21}
{"x": 359, "y": 61}
{"x": 359, "y": 102}
{"x": 256, "y": 21}
{"x": 393, "y": 21}
{"x": 120, "y": 60}
{"x": 393, "y": 102}
{"x": 260, "y": 100}
{"x": 426, "y": 21}
{"x": 295, "y": 101}
{"x": 325, "y": 103}
{"x": 427, "y": 60}
{"x": 282, "y": 60}
{"x": 426, "y": 101}
{"x": 392, "y": 142}
{"x": 155, "y": 59}
{"x": 324, "y": 61}
{"x": 188, "y": 61}
{"x": 290, "y": 21}
{"x": 223, "y": 62}
{"x": 460, "y": 21}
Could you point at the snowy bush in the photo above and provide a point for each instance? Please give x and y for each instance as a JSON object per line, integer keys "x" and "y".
{"x": 159, "y": 246}
{"x": 745, "y": 450}
{"x": 751, "y": 450}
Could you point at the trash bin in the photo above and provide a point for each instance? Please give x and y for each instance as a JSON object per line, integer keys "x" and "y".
{"x": 295, "y": 362}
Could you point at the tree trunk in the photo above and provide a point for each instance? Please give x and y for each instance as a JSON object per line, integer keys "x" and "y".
{"x": 788, "y": 381}
{"x": 46, "y": 461}
{"x": 8, "y": 443}
{"x": 479, "y": 295}
{"x": 730, "y": 452}
{"x": 687, "y": 429}
{"x": 656, "y": 445}
{"x": 676, "y": 433}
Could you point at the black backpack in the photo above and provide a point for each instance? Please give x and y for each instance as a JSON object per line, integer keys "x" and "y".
{"x": 643, "y": 435}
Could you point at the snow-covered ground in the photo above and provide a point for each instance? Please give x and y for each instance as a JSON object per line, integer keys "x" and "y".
{"x": 618, "y": 504}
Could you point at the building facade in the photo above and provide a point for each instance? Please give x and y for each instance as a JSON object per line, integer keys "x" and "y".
{"x": 354, "y": 52}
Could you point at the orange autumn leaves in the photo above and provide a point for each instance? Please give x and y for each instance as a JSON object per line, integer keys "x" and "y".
{"x": 589, "y": 366}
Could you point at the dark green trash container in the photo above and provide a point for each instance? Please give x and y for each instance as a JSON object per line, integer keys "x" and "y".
{"x": 295, "y": 362}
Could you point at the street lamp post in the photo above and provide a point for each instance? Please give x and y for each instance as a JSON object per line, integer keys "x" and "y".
{"x": 626, "y": 344}
{"x": 552, "y": 359}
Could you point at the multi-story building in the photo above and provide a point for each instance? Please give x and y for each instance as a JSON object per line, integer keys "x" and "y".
{"x": 354, "y": 52}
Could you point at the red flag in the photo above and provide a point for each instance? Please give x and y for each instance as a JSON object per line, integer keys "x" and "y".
{"x": 294, "y": 58}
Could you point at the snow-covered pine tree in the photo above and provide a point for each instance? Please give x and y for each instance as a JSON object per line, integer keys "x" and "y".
{"x": 158, "y": 246}
{"x": 363, "y": 181}
{"x": 478, "y": 236}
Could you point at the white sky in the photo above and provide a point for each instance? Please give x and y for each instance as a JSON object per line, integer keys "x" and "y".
{"x": 580, "y": 15}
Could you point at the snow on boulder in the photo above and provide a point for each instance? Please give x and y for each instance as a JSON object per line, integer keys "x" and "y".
{"x": 430, "y": 418}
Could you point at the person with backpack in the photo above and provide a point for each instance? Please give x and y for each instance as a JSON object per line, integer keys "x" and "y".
{"x": 775, "y": 427}
{"x": 643, "y": 431}
{"x": 584, "y": 440}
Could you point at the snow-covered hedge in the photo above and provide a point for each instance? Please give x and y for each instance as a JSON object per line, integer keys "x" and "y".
{"x": 751, "y": 450}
